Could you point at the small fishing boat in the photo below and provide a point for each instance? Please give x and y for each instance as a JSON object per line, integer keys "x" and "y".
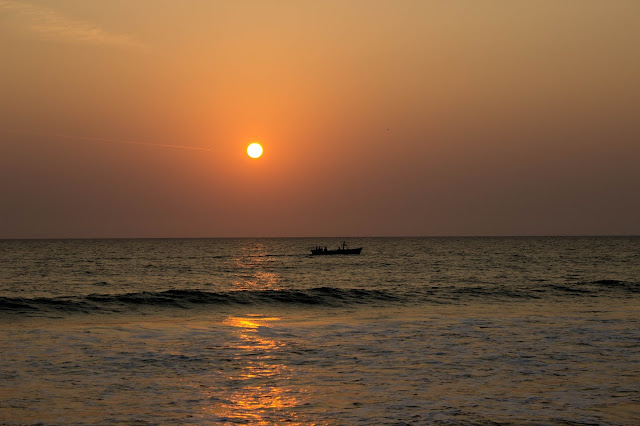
{"x": 340, "y": 250}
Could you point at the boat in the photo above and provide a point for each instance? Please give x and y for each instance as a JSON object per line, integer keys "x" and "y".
{"x": 340, "y": 250}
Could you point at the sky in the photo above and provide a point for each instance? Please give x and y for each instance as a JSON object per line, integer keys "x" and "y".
{"x": 378, "y": 118}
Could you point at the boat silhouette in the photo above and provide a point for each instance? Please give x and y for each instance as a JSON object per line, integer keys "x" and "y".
{"x": 340, "y": 250}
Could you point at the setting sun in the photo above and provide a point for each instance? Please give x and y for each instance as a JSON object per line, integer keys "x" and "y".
{"x": 254, "y": 150}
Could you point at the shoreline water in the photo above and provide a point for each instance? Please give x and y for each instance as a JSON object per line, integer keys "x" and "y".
{"x": 327, "y": 365}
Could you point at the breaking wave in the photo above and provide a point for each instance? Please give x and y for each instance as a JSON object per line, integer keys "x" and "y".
{"x": 320, "y": 296}
{"x": 100, "y": 303}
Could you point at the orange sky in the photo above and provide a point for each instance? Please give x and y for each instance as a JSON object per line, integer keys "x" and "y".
{"x": 377, "y": 118}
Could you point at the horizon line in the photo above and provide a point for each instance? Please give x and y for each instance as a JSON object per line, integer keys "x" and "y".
{"x": 328, "y": 237}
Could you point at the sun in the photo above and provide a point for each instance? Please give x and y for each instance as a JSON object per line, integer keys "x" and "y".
{"x": 254, "y": 150}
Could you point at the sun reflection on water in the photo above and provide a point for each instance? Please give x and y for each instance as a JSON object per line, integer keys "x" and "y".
{"x": 259, "y": 387}
{"x": 253, "y": 271}
{"x": 253, "y": 385}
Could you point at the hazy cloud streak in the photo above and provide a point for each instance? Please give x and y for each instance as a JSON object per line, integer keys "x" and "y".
{"x": 49, "y": 25}
{"x": 106, "y": 140}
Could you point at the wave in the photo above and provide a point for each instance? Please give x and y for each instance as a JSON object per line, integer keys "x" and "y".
{"x": 97, "y": 303}
{"x": 547, "y": 290}
{"x": 616, "y": 283}
{"x": 320, "y": 296}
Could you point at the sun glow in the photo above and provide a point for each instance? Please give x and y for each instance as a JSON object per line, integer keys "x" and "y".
{"x": 254, "y": 150}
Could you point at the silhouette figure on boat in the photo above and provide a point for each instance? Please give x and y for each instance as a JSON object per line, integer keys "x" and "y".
{"x": 340, "y": 250}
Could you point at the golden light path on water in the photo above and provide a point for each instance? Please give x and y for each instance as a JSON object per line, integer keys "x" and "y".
{"x": 251, "y": 275}
{"x": 258, "y": 391}
{"x": 260, "y": 387}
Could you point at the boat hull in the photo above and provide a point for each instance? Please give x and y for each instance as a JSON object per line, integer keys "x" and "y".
{"x": 322, "y": 252}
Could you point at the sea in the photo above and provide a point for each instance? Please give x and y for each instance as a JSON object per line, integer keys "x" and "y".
{"x": 522, "y": 330}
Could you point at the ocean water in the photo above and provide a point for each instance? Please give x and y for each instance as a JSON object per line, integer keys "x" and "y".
{"x": 257, "y": 331}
